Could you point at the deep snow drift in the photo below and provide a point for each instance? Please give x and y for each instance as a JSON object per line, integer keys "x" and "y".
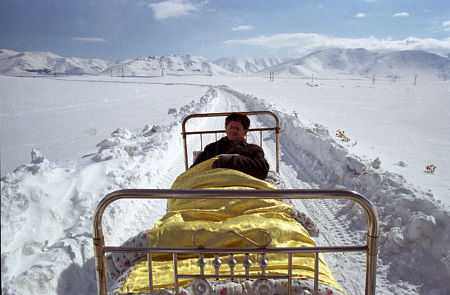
{"x": 47, "y": 205}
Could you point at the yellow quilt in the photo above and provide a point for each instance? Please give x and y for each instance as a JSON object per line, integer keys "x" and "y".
{"x": 216, "y": 217}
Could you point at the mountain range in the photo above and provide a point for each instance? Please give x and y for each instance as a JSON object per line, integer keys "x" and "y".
{"x": 323, "y": 63}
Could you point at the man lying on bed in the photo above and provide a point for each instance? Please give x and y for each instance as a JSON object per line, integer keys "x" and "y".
{"x": 212, "y": 222}
{"x": 234, "y": 151}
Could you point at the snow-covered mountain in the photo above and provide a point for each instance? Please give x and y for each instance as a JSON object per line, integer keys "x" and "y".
{"x": 172, "y": 65}
{"x": 402, "y": 63}
{"x": 361, "y": 62}
{"x": 32, "y": 63}
{"x": 248, "y": 65}
{"x": 330, "y": 63}
{"x": 46, "y": 63}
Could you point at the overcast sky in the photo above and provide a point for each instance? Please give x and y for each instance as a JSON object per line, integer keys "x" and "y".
{"x": 122, "y": 29}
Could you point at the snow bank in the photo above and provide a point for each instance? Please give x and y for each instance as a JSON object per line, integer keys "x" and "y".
{"x": 46, "y": 213}
{"x": 414, "y": 233}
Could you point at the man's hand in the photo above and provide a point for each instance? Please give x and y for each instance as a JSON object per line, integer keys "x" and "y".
{"x": 223, "y": 161}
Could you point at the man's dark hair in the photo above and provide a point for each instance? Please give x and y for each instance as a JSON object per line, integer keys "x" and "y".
{"x": 238, "y": 117}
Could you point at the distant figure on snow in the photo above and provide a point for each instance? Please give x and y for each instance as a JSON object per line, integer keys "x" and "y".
{"x": 233, "y": 150}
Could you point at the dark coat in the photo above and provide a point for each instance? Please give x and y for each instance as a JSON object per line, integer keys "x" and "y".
{"x": 247, "y": 158}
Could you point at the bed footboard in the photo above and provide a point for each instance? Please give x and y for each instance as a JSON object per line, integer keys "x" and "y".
{"x": 370, "y": 247}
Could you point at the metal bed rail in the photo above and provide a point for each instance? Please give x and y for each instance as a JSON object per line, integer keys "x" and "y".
{"x": 275, "y": 128}
{"x": 370, "y": 247}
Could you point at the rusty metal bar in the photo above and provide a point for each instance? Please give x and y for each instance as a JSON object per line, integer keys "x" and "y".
{"x": 260, "y": 138}
{"x": 150, "y": 272}
{"x": 324, "y": 249}
{"x": 175, "y": 271}
{"x": 223, "y": 131}
{"x": 316, "y": 273}
{"x": 371, "y": 262}
{"x": 290, "y": 273}
{"x": 100, "y": 264}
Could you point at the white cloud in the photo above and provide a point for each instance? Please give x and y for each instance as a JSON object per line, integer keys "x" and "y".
{"x": 304, "y": 43}
{"x": 173, "y": 8}
{"x": 242, "y": 28}
{"x": 446, "y": 25}
{"x": 89, "y": 39}
{"x": 360, "y": 15}
{"x": 400, "y": 14}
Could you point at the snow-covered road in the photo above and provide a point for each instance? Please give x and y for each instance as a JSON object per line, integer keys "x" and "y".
{"x": 47, "y": 208}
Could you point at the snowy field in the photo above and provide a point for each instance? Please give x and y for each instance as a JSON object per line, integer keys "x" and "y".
{"x": 94, "y": 135}
{"x": 65, "y": 119}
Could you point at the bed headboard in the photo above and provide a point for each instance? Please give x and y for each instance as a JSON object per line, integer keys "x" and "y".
{"x": 275, "y": 128}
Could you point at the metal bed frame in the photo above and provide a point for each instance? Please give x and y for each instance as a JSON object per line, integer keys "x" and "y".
{"x": 275, "y": 128}
{"x": 370, "y": 247}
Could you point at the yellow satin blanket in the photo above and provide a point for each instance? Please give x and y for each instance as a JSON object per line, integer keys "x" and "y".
{"x": 216, "y": 218}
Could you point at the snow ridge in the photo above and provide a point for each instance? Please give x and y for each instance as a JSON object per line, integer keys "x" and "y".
{"x": 165, "y": 65}
{"x": 46, "y": 63}
{"x": 323, "y": 63}
{"x": 361, "y": 62}
{"x": 248, "y": 65}
{"x": 413, "y": 225}
{"x": 46, "y": 213}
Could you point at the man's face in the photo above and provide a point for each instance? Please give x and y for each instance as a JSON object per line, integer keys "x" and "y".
{"x": 235, "y": 130}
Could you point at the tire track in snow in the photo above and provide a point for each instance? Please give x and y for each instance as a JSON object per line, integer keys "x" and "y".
{"x": 326, "y": 212}
{"x": 296, "y": 169}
